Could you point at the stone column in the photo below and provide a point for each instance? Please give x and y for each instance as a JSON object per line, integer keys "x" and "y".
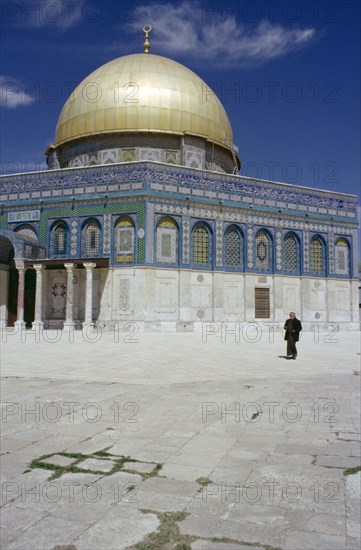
{"x": 69, "y": 321}
{"x": 38, "y": 323}
{"x": 4, "y": 290}
{"x": 88, "y": 321}
{"x": 20, "y": 323}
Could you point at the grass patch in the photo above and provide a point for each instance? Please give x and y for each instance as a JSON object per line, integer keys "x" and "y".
{"x": 167, "y": 535}
{"x": 60, "y": 470}
{"x": 154, "y": 472}
{"x": 79, "y": 458}
{"x": 351, "y": 471}
{"x": 242, "y": 542}
{"x": 103, "y": 453}
{"x": 203, "y": 481}
{"x": 356, "y": 372}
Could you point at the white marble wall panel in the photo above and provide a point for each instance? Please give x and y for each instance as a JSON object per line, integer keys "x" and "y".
{"x": 148, "y": 295}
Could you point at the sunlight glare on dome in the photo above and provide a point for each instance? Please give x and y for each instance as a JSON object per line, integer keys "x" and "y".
{"x": 144, "y": 93}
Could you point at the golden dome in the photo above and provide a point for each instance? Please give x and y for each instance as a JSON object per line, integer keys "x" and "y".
{"x": 143, "y": 93}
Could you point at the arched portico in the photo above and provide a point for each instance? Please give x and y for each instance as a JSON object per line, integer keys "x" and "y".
{"x": 17, "y": 282}
{"x": 8, "y": 283}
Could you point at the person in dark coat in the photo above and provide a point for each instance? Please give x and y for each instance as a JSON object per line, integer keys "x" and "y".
{"x": 293, "y": 328}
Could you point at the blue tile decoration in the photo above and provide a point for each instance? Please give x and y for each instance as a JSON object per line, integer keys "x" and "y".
{"x": 187, "y": 178}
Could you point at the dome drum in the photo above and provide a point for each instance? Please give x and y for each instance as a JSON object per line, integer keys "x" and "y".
{"x": 187, "y": 150}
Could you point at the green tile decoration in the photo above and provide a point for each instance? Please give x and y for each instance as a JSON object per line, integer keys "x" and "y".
{"x": 92, "y": 210}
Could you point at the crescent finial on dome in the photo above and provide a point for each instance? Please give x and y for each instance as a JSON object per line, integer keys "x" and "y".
{"x": 146, "y": 30}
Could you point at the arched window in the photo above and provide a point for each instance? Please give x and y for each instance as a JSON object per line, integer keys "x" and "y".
{"x": 291, "y": 254}
{"x": 263, "y": 251}
{"x": 233, "y": 248}
{"x": 201, "y": 245}
{"x": 60, "y": 239}
{"x": 124, "y": 240}
{"x": 317, "y": 249}
{"x": 167, "y": 241}
{"x": 342, "y": 257}
{"x": 91, "y": 238}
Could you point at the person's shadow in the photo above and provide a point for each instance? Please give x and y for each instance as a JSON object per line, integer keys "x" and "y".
{"x": 284, "y": 357}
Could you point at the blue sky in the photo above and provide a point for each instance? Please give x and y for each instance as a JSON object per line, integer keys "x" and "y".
{"x": 286, "y": 72}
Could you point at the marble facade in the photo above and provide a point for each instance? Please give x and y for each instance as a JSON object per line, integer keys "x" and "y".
{"x": 128, "y": 205}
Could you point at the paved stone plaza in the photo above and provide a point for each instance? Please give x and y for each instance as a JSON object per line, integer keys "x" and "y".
{"x": 180, "y": 440}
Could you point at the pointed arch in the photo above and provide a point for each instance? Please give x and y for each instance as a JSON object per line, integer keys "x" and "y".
{"x": 91, "y": 238}
{"x": 202, "y": 244}
{"x": 59, "y": 238}
{"x": 167, "y": 241}
{"x": 342, "y": 257}
{"x": 234, "y": 248}
{"x": 27, "y": 230}
{"x": 125, "y": 240}
{"x": 291, "y": 254}
{"x": 318, "y": 255}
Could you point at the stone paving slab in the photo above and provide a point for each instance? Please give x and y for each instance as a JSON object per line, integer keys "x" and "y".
{"x": 347, "y": 436}
{"x": 297, "y": 492}
{"x": 337, "y": 461}
{"x": 8, "y": 535}
{"x": 47, "y": 533}
{"x": 119, "y": 529}
{"x": 353, "y": 529}
{"x": 228, "y": 475}
{"x": 185, "y": 472}
{"x": 206, "y": 545}
{"x": 352, "y": 544}
{"x": 142, "y": 467}
{"x": 295, "y": 540}
{"x": 204, "y": 526}
{"x": 97, "y": 464}
{"x": 170, "y": 486}
{"x": 14, "y": 520}
{"x": 258, "y": 514}
{"x": 353, "y": 486}
{"x": 13, "y": 465}
{"x": 353, "y": 509}
{"x": 50, "y": 494}
{"x": 59, "y": 460}
{"x": 330, "y": 524}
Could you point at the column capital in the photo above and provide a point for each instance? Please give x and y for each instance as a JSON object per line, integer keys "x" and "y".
{"x": 89, "y": 266}
{"x": 38, "y": 267}
{"x": 19, "y": 264}
{"x": 70, "y": 267}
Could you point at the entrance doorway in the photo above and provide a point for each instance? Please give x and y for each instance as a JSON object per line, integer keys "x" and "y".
{"x": 29, "y": 297}
{"x": 9, "y": 282}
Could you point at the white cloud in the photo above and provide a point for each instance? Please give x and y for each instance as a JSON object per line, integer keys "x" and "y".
{"x": 51, "y": 13}
{"x": 182, "y": 28}
{"x": 12, "y": 93}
